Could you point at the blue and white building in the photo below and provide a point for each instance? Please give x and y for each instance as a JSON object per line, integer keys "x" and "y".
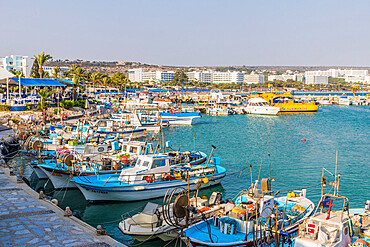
{"x": 17, "y": 63}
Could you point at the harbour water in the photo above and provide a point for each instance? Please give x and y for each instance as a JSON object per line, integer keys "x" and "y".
{"x": 242, "y": 140}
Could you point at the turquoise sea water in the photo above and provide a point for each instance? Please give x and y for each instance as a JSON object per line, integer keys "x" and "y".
{"x": 242, "y": 140}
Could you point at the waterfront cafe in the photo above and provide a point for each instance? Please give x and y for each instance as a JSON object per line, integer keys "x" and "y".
{"x": 27, "y": 89}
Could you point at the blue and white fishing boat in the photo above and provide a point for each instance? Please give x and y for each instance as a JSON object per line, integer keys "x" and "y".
{"x": 151, "y": 177}
{"x": 243, "y": 223}
{"x": 106, "y": 157}
{"x": 175, "y": 117}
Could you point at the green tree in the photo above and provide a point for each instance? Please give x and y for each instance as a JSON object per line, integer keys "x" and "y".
{"x": 106, "y": 81}
{"x": 118, "y": 79}
{"x": 17, "y": 73}
{"x": 56, "y": 71}
{"x": 35, "y": 69}
{"x": 354, "y": 90}
{"x": 96, "y": 78}
{"x": 41, "y": 60}
{"x": 178, "y": 76}
{"x": 44, "y": 94}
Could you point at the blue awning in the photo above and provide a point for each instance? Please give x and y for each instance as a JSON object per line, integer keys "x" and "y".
{"x": 28, "y": 82}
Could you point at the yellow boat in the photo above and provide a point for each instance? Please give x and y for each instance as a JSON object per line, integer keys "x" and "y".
{"x": 287, "y": 103}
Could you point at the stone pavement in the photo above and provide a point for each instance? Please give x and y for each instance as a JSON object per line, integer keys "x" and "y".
{"x": 26, "y": 220}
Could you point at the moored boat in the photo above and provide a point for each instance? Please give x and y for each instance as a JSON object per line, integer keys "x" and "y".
{"x": 151, "y": 177}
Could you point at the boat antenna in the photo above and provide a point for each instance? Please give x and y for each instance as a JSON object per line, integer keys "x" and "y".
{"x": 181, "y": 143}
{"x": 260, "y": 170}
{"x": 269, "y": 166}
{"x": 250, "y": 168}
{"x": 336, "y": 169}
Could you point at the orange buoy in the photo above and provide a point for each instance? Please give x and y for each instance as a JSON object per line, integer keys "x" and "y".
{"x": 303, "y": 140}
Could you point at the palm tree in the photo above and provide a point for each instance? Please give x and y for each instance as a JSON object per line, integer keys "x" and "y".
{"x": 354, "y": 90}
{"x": 96, "y": 78}
{"x": 56, "y": 71}
{"x": 119, "y": 79}
{"x": 41, "y": 60}
{"x": 79, "y": 73}
{"x": 44, "y": 94}
{"x": 76, "y": 82}
{"x": 106, "y": 81}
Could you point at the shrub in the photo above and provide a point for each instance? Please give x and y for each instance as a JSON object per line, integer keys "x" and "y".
{"x": 56, "y": 111}
{"x": 16, "y": 121}
{"x": 4, "y": 107}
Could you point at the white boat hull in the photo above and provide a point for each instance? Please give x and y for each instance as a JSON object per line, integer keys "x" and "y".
{"x": 139, "y": 192}
{"x": 262, "y": 110}
{"x": 179, "y": 120}
{"x": 59, "y": 180}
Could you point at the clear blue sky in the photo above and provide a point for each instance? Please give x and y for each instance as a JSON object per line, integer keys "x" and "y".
{"x": 256, "y": 32}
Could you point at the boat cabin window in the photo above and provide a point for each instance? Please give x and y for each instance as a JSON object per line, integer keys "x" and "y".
{"x": 89, "y": 149}
{"x": 133, "y": 149}
{"x": 102, "y": 124}
{"x": 138, "y": 162}
{"x": 124, "y": 148}
{"x": 159, "y": 163}
{"x": 145, "y": 164}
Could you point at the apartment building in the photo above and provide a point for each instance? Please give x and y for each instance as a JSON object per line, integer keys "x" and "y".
{"x": 316, "y": 79}
{"x": 17, "y": 63}
{"x": 254, "y": 79}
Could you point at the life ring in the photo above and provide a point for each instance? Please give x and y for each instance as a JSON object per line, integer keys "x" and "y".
{"x": 149, "y": 179}
{"x": 172, "y": 111}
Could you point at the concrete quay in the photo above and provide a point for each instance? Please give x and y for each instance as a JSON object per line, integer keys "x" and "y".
{"x": 26, "y": 220}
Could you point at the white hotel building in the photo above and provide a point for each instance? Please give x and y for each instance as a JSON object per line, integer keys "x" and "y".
{"x": 349, "y": 75}
{"x": 139, "y": 75}
{"x": 254, "y": 79}
{"x": 18, "y": 63}
{"x": 286, "y": 77}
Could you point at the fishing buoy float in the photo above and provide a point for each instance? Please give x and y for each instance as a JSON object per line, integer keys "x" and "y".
{"x": 303, "y": 140}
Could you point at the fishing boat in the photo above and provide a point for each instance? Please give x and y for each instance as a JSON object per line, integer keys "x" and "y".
{"x": 331, "y": 225}
{"x": 151, "y": 222}
{"x": 258, "y": 105}
{"x": 66, "y": 165}
{"x": 344, "y": 100}
{"x": 217, "y": 110}
{"x": 326, "y": 227}
{"x": 176, "y": 117}
{"x": 151, "y": 177}
{"x": 250, "y": 220}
